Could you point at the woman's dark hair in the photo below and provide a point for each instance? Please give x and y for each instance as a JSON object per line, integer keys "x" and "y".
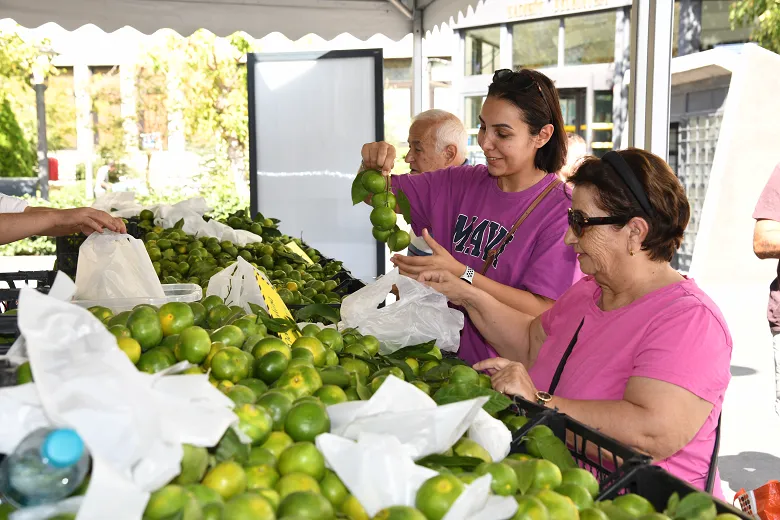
{"x": 536, "y": 97}
{"x": 663, "y": 189}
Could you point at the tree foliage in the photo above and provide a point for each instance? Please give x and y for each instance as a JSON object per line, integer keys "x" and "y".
{"x": 763, "y": 16}
{"x": 210, "y": 75}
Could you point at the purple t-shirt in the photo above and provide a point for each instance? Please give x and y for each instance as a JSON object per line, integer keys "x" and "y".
{"x": 675, "y": 334}
{"x": 470, "y": 215}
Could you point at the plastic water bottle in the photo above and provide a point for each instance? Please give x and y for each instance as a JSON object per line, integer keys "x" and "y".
{"x": 47, "y": 466}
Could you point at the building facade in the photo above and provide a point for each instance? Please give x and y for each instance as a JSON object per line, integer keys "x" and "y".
{"x": 582, "y": 45}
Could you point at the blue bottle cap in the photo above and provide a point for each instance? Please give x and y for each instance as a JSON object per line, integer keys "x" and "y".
{"x": 62, "y": 448}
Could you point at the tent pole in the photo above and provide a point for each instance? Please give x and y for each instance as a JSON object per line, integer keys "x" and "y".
{"x": 402, "y": 8}
{"x": 650, "y": 88}
{"x": 419, "y": 68}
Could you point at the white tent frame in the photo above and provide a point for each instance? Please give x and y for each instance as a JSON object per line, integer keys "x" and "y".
{"x": 651, "y": 35}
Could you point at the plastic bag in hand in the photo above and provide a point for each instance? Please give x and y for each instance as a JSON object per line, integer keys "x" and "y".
{"x": 237, "y": 285}
{"x": 421, "y": 314}
{"x": 115, "y": 266}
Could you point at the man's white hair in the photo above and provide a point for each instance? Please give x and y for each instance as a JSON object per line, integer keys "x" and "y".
{"x": 450, "y": 129}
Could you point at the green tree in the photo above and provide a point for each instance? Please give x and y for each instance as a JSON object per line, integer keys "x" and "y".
{"x": 763, "y": 16}
{"x": 17, "y": 158}
{"x": 210, "y": 74}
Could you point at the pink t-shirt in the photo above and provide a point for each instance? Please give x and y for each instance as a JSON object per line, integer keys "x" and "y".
{"x": 469, "y": 215}
{"x": 675, "y": 334}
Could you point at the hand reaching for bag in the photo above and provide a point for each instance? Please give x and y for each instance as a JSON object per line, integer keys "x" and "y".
{"x": 88, "y": 221}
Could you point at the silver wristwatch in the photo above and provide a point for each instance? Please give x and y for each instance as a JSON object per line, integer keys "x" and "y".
{"x": 468, "y": 276}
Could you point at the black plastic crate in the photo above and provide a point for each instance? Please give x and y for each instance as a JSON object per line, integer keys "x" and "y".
{"x": 657, "y": 485}
{"x": 9, "y": 296}
{"x": 603, "y": 456}
{"x": 68, "y": 248}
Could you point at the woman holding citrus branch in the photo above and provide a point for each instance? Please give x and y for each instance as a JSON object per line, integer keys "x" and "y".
{"x": 501, "y": 226}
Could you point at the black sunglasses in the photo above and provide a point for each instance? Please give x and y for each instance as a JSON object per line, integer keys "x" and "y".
{"x": 520, "y": 81}
{"x": 578, "y": 222}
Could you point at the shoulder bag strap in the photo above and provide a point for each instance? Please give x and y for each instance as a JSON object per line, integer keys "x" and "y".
{"x": 714, "y": 459}
{"x": 493, "y": 252}
{"x": 564, "y": 359}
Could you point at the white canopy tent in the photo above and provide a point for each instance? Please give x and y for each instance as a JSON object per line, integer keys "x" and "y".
{"x": 651, "y": 34}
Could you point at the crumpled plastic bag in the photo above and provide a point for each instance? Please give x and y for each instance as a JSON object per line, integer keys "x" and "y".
{"x": 379, "y": 472}
{"x": 122, "y": 204}
{"x": 403, "y": 411}
{"x": 113, "y": 265}
{"x": 421, "y": 314}
{"x": 132, "y": 423}
{"x": 237, "y": 285}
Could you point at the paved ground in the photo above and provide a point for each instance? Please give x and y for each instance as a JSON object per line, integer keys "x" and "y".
{"x": 750, "y": 445}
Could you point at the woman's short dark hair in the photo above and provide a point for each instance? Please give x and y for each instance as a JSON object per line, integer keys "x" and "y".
{"x": 535, "y": 95}
{"x": 664, "y": 191}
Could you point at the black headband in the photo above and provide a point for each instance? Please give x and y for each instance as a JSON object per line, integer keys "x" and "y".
{"x": 629, "y": 179}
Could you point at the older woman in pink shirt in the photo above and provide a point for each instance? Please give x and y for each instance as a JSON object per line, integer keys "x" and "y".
{"x": 634, "y": 349}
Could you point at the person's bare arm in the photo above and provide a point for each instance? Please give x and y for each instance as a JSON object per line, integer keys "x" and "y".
{"x": 654, "y": 417}
{"x": 518, "y": 299}
{"x": 31, "y": 209}
{"x": 16, "y": 226}
{"x": 766, "y": 239}
{"x": 514, "y": 335}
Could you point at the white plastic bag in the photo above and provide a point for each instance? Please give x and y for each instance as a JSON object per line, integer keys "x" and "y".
{"x": 237, "y": 285}
{"x": 421, "y": 314}
{"x": 132, "y": 423}
{"x": 115, "y": 266}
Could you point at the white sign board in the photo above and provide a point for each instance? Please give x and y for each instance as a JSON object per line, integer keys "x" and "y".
{"x": 309, "y": 116}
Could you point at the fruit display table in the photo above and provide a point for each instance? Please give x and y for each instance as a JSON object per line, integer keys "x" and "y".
{"x": 281, "y": 377}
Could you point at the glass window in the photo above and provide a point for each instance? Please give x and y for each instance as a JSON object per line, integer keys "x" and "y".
{"x": 482, "y": 50}
{"x": 601, "y": 125}
{"x": 398, "y": 69}
{"x": 715, "y": 26}
{"x": 590, "y": 38}
{"x": 535, "y": 44}
{"x": 473, "y": 108}
{"x": 471, "y": 121}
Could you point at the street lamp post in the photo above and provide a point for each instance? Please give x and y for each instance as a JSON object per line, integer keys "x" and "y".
{"x": 40, "y": 67}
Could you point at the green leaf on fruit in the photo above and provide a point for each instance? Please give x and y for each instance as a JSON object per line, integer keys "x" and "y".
{"x": 230, "y": 447}
{"x": 320, "y": 310}
{"x": 414, "y": 351}
{"x": 359, "y": 193}
{"x": 439, "y": 373}
{"x": 362, "y": 390}
{"x": 403, "y": 205}
{"x": 451, "y": 461}
{"x": 406, "y": 369}
{"x": 269, "y": 232}
{"x": 553, "y": 449}
{"x": 463, "y": 392}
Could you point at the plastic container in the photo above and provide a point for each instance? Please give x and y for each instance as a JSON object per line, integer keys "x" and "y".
{"x": 47, "y": 466}
{"x": 657, "y": 485}
{"x": 175, "y": 292}
{"x": 603, "y": 456}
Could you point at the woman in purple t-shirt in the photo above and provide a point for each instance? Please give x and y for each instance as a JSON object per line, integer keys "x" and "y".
{"x": 634, "y": 349}
{"x": 472, "y": 209}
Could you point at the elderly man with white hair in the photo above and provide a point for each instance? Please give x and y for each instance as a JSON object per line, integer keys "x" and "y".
{"x": 437, "y": 140}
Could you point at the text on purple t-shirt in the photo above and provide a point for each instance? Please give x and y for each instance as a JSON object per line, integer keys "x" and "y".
{"x": 471, "y": 215}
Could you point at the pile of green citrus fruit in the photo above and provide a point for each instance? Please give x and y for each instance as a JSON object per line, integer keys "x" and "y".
{"x": 371, "y": 183}
{"x": 181, "y": 258}
{"x": 280, "y": 392}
